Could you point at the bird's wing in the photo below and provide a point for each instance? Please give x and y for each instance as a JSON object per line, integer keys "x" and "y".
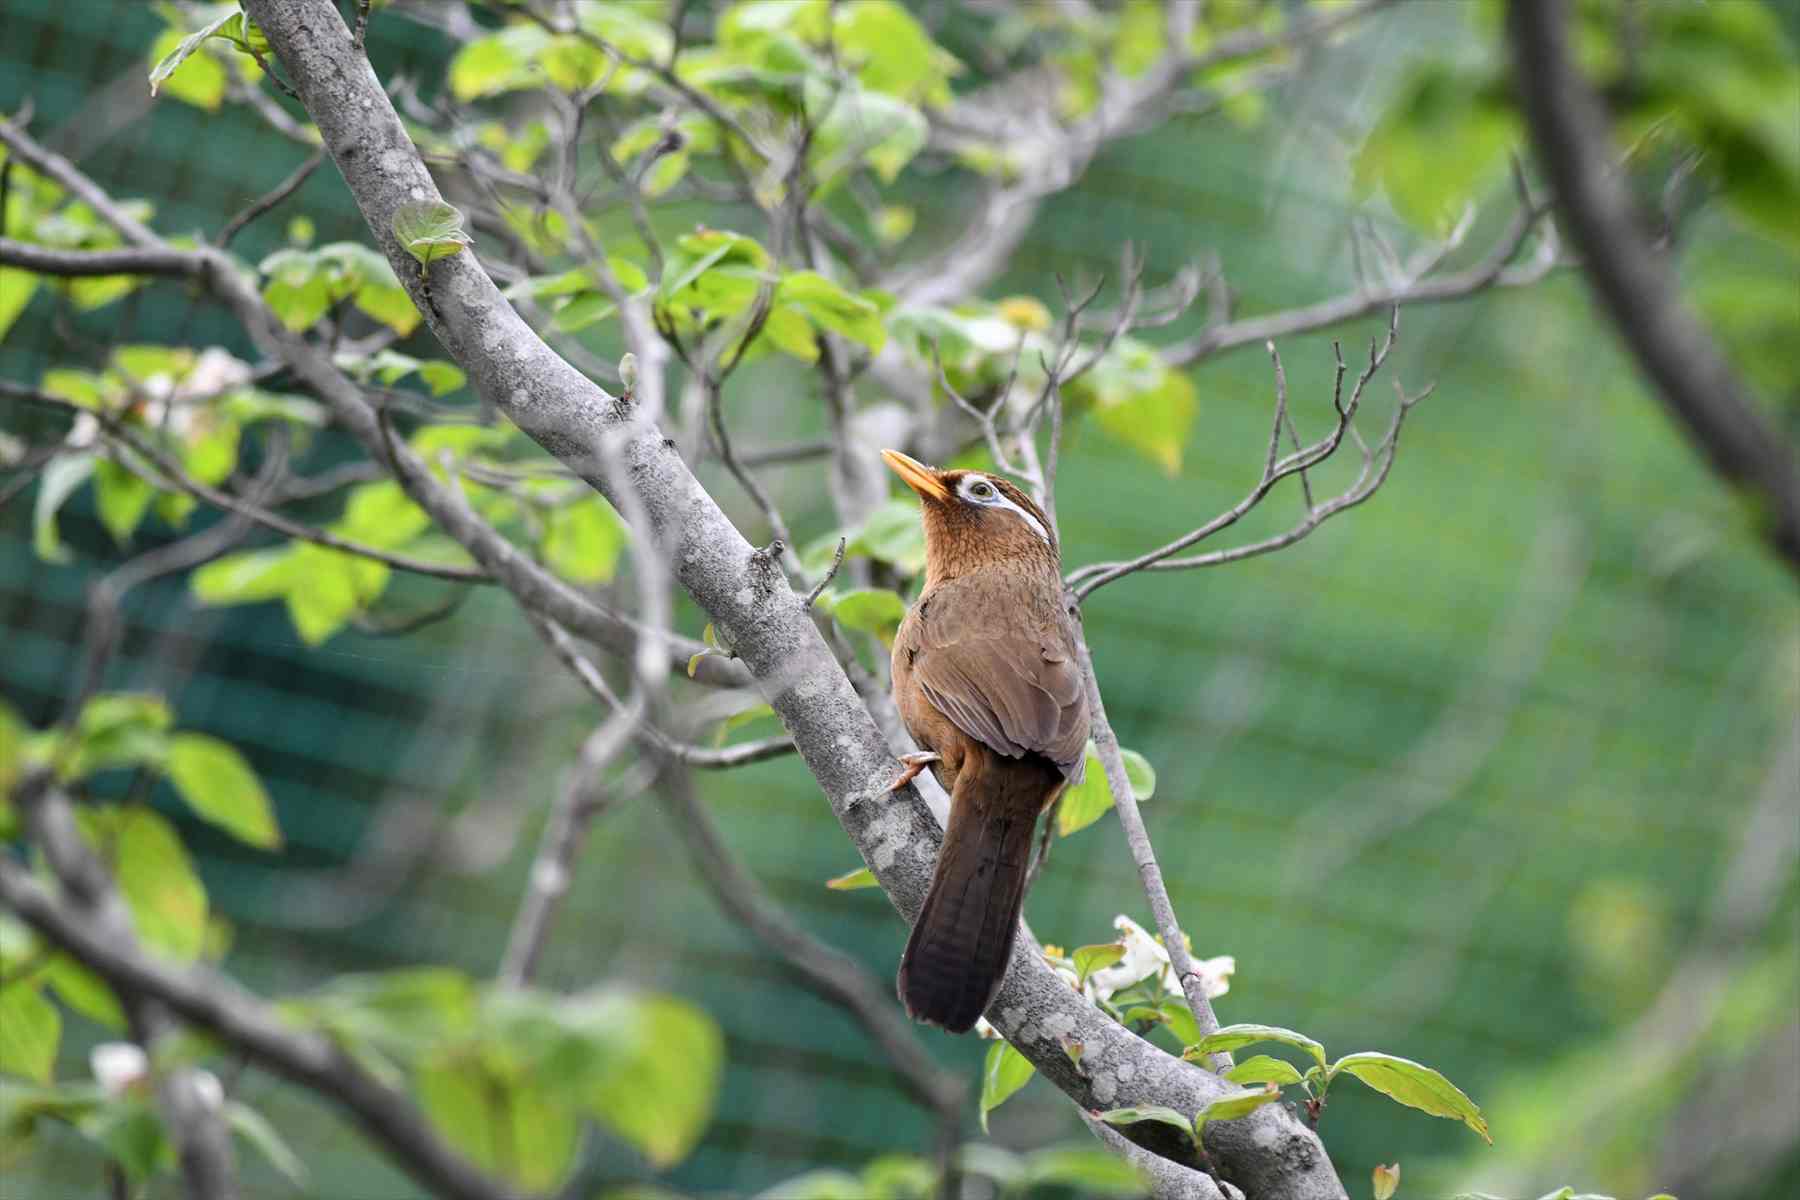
{"x": 1010, "y": 684}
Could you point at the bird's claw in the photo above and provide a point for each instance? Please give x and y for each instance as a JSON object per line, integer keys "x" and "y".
{"x": 914, "y": 763}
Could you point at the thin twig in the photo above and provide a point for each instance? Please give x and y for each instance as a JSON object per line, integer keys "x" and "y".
{"x": 273, "y": 196}
{"x": 1086, "y": 580}
{"x": 174, "y": 478}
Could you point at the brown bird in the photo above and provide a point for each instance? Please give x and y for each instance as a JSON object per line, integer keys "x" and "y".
{"x": 985, "y": 677}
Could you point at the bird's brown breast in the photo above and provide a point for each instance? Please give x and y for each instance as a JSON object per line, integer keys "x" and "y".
{"x": 987, "y": 660}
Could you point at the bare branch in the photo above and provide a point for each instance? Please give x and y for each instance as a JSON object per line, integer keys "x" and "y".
{"x": 274, "y": 196}
{"x": 1414, "y": 284}
{"x": 1106, "y": 745}
{"x": 174, "y": 478}
{"x": 1086, "y": 580}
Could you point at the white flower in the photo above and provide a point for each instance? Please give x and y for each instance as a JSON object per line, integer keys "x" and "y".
{"x": 1215, "y": 975}
{"x": 117, "y": 1066}
{"x": 214, "y": 372}
{"x": 1143, "y": 957}
{"x": 83, "y": 432}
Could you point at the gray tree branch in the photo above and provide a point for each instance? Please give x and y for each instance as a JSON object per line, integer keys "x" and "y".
{"x": 1571, "y": 134}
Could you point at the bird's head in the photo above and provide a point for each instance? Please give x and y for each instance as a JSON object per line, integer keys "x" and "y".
{"x": 974, "y": 519}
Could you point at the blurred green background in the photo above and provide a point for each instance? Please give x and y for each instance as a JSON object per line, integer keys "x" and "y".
{"x": 1498, "y": 772}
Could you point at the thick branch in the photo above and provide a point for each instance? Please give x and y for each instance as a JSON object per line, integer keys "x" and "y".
{"x": 1633, "y": 283}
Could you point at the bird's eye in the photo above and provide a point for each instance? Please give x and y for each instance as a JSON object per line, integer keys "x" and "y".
{"x": 984, "y": 490}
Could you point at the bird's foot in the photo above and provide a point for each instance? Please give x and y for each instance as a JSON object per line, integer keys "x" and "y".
{"x": 914, "y": 763}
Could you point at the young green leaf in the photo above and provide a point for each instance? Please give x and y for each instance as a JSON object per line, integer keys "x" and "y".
{"x": 59, "y": 480}
{"x": 247, "y": 577}
{"x": 1233, "y": 1107}
{"x": 1233, "y": 1036}
{"x": 1089, "y": 959}
{"x": 119, "y": 729}
{"x": 1263, "y": 1068}
{"x": 220, "y": 786}
{"x": 430, "y": 229}
{"x": 1385, "y": 1180}
{"x": 872, "y": 610}
{"x": 1003, "y": 1072}
{"x": 256, "y": 1131}
{"x": 121, "y": 497}
{"x": 156, "y": 878}
{"x": 1087, "y": 801}
{"x": 659, "y": 1086}
{"x": 30, "y": 1030}
{"x": 850, "y": 881}
{"x": 1087, "y": 1171}
{"x": 1149, "y": 1112}
{"x": 1415, "y": 1085}
{"x": 171, "y": 61}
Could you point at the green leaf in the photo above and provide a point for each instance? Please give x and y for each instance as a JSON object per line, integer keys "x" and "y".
{"x": 831, "y": 307}
{"x": 1087, "y": 801}
{"x": 248, "y": 577}
{"x": 1140, "y": 773}
{"x": 1154, "y": 420}
{"x": 1263, "y": 1068}
{"x": 1003, "y": 1072}
{"x": 118, "y": 729}
{"x": 221, "y": 787}
{"x": 1233, "y": 1036}
{"x": 1149, "y": 1112}
{"x": 17, "y": 286}
{"x": 261, "y": 1136}
{"x": 1441, "y": 143}
{"x": 871, "y": 610}
{"x": 389, "y": 304}
{"x": 1085, "y": 1170}
{"x": 121, "y": 497}
{"x": 130, "y": 1132}
{"x": 790, "y": 332}
{"x": 1179, "y": 1018}
{"x": 85, "y": 992}
{"x": 658, "y": 1091}
{"x": 1233, "y": 1107}
{"x": 1089, "y": 959}
{"x": 850, "y": 881}
{"x": 892, "y": 534}
{"x": 61, "y": 477}
{"x": 328, "y": 587}
{"x": 866, "y": 127}
{"x": 892, "y": 52}
{"x": 504, "y": 1125}
{"x": 498, "y": 63}
{"x": 156, "y": 877}
{"x": 30, "y": 1030}
{"x": 583, "y": 541}
{"x": 430, "y": 229}
{"x": 381, "y": 514}
{"x": 1414, "y": 1085}
{"x": 203, "y": 81}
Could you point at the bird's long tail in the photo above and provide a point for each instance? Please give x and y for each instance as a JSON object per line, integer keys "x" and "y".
{"x": 958, "y": 951}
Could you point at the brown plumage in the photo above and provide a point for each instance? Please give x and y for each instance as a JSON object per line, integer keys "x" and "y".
{"x": 985, "y": 678}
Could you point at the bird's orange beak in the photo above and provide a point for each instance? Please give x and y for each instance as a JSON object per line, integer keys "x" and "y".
{"x": 919, "y": 477}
